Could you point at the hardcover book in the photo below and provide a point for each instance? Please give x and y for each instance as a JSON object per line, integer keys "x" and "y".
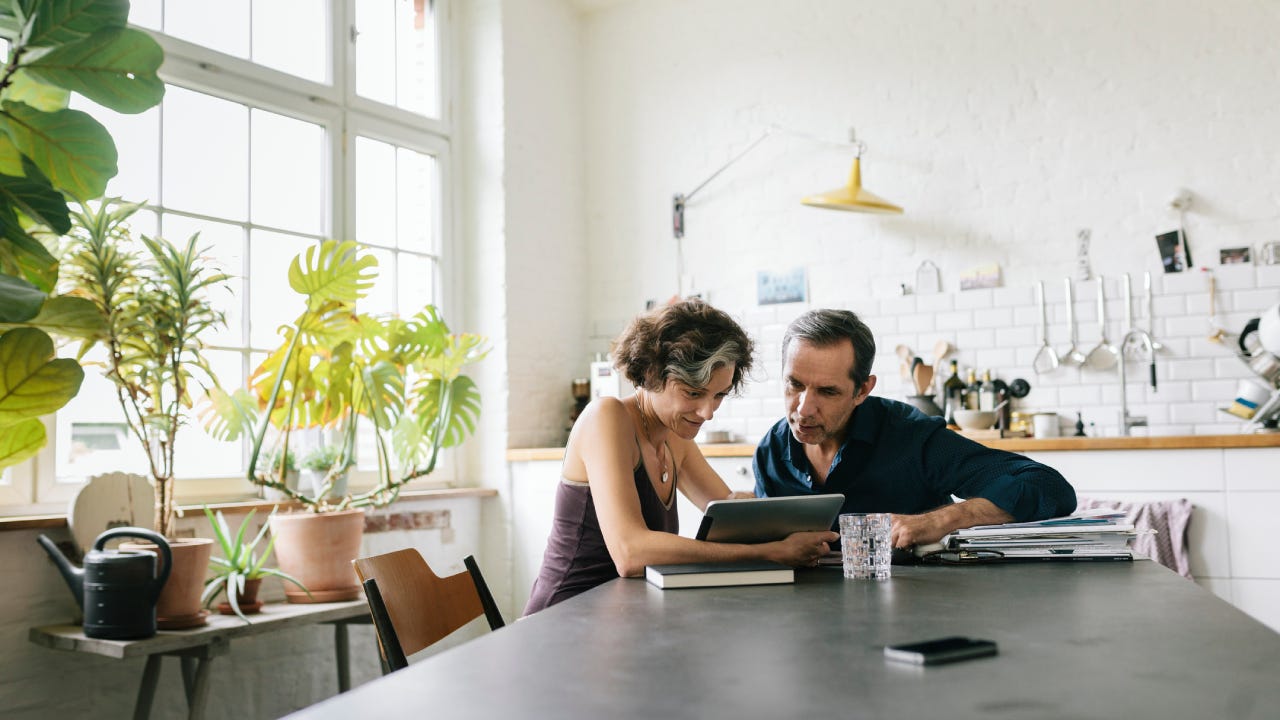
{"x": 718, "y": 574}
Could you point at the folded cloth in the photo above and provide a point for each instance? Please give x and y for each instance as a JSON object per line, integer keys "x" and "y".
{"x": 1168, "y": 518}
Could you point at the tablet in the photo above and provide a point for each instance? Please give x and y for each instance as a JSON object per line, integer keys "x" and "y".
{"x": 756, "y": 520}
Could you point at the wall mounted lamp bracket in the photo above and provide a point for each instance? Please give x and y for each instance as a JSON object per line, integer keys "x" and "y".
{"x": 850, "y": 197}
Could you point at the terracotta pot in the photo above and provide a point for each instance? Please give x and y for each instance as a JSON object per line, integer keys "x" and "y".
{"x": 248, "y": 600}
{"x": 179, "y": 604}
{"x": 317, "y": 549}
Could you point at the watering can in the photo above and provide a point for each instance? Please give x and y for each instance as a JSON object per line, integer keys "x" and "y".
{"x": 117, "y": 589}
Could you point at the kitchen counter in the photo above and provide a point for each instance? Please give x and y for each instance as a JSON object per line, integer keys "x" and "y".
{"x": 1169, "y": 442}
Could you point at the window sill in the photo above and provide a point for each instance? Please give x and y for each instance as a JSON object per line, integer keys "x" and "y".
{"x": 43, "y": 522}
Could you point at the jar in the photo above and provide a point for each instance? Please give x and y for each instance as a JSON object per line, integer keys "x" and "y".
{"x": 1020, "y": 422}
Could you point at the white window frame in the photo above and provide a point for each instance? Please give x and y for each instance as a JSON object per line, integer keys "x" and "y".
{"x": 32, "y": 486}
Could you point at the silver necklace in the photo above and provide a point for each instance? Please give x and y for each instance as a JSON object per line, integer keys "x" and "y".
{"x": 662, "y": 455}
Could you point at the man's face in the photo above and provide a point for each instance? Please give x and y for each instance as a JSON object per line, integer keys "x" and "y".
{"x": 820, "y": 395}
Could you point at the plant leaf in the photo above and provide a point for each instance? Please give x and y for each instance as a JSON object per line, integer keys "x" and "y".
{"x": 333, "y": 270}
{"x": 21, "y": 441}
{"x": 115, "y": 67}
{"x": 62, "y": 21}
{"x": 38, "y": 95}
{"x": 459, "y": 418}
{"x": 19, "y": 300}
{"x": 70, "y": 316}
{"x": 72, "y": 149}
{"x": 32, "y": 382}
{"x": 10, "y": 158}
{"x": 228, "y": 416}
{"x": 37, "y": 199}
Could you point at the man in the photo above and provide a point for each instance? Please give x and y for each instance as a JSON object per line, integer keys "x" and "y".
{"x": 883, "y": 455}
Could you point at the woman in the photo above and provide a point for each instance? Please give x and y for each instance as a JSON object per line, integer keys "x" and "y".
{"x": 615, "y": 505}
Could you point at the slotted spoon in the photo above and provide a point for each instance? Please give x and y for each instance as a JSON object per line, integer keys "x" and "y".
{"x": 1104, "y": 356}
{"x": 1046, "y": 359}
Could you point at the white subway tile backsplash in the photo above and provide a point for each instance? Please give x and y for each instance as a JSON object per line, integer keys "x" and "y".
{"x": 978, "y": 298}
{"x": 1269, "y": 276}
{"x": 1190, "y": 369}
{"x": 936, "y": 302}
{"x": 917, "y": 323}
{"x": 1014, "y": 336}
{"x": 1252, "y": 300}
{"x": 1193, "y": 413}
{"x": 1185, "y": 282}
{"x": 897, "y": 305}
{"x": 995, "y": 317}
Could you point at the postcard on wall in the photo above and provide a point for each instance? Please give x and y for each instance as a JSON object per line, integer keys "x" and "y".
{"x": 1235, "y": 256}
{"x": 987, "y": 276}
{"x": 775, "y": 288}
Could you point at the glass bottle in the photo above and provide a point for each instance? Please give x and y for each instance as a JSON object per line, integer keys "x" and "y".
{"x": 972, "y": 388}
{"x": 952, "y": 393}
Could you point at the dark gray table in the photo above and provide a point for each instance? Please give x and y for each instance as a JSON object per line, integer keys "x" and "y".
{"x": 1077, "y": 640}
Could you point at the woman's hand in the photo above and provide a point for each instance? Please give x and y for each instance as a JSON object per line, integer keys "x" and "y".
{"x": 802, "y": 548}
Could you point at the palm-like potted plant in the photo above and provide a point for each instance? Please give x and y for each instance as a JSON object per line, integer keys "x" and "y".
{"x": 154, "y": 300}
{"x": 51, "y": 156}
{"x": 335, "y": 369}
{"x": 240, "y": 571}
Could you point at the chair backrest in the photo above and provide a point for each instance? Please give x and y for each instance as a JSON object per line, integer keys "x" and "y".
{"x": 413, "y": 608}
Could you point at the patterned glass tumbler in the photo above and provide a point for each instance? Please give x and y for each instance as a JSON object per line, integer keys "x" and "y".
{"x": 864, "y": 545}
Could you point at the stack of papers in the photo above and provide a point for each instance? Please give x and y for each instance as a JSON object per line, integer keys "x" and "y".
{"x": 1097, "y": 534}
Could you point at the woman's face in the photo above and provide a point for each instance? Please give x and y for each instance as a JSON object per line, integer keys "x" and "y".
{"x": 684, "y": 408}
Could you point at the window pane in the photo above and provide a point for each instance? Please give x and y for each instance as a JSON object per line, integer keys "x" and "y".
{"x": 417, "y": 283}
{"x": 292, "y": 36}
{"x": 382, "y": 296}
{"x": 206, "y": 154}
{"x": 225, "y": 245}
{"x": 375, "y": 192}
{"x": 396, "y": 54}
{"x": 138, "y": 147}
{"x": 221, "y": 26}
{"x": 145, "y": 13}
{"x": 199, "y": 455}
{"x": 416, "y": 195}
{"x": 376, "y": 50}
{"x": 92, "y": 437}
{"x": 288, "y": 166}
{"x": 272, "y": 302}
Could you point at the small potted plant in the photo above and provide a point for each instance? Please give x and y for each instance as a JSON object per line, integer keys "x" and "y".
{"x": 283, "y": 464}
{"x": 325, "y": 469}
{"x": 240, "y": 571}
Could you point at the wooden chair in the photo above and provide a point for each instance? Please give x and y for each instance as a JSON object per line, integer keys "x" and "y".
{"x": 413, "y": 608}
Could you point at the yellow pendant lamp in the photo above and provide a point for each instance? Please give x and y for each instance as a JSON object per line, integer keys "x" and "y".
{"x": 853, "y": 197}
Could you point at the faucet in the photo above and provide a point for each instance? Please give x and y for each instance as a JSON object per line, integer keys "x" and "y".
{"x": 1127, "y": 421}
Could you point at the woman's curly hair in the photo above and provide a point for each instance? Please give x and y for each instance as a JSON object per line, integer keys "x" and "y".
{"x": 686, "y": 341}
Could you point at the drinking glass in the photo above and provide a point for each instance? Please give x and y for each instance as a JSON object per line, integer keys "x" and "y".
{"x": 864, "y": 545}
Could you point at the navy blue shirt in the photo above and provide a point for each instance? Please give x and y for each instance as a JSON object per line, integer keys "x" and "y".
{"x": 896, "y": 459}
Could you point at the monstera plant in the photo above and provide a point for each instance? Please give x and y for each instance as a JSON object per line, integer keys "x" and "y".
{"x": 337, "y": 368}
{"x": 51, "y": 156}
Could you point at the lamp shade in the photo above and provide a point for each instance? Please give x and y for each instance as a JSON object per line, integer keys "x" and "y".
{"x": 853, "y": 197}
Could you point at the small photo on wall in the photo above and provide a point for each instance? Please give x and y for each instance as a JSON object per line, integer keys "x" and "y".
{"x": 1234, "y": 256}
{"x": 776, "y": 288}
{"x": 987, "y": 276}
{"x": 1174, "y": 254}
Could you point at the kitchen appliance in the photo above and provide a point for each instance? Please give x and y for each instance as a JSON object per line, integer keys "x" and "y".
{"x": 117, "y": 589}
{"x": 605, "y": 379}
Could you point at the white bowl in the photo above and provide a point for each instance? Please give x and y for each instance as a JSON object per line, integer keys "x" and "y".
{"x": 976, "y": 419}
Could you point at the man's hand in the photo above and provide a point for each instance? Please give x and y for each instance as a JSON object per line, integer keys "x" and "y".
{"x": 740, "y": 495}
{"x": 930, "y": 527}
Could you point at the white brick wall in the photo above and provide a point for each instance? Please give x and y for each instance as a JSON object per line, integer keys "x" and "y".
{"x": 1001, "y": 127}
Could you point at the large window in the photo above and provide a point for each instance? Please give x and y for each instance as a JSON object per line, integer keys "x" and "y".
{"x": 284, "y": 122}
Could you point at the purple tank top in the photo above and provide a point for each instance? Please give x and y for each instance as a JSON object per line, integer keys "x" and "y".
{"x": 577, "y": 558}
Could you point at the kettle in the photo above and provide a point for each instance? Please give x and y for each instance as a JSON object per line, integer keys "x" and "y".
{"x": 117, "y": 589}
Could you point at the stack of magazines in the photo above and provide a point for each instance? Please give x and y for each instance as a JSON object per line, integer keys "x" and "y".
{"x": 1097, "y": 534}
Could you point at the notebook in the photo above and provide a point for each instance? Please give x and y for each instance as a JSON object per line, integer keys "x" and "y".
{"x": 757, "y": 520}
{"x": 718, "y": 574}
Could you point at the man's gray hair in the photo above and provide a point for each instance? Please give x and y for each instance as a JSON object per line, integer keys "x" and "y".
{"x": 824, "y": 328}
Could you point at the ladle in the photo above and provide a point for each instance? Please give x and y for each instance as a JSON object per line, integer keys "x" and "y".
{"x": 1218, "y": 334}
{"x": 1073, "y": 357}
{"x": 1104, "y": 356}
{"x": 1046, "y": 359}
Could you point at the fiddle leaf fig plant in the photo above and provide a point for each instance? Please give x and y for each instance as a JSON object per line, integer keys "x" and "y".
{"x": 51, "y": 156}
{"x": 337, "y": 368}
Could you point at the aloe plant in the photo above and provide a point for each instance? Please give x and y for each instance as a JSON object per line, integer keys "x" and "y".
{"x": 336, "y": 368}
{"x": 241, "y": 563}
{"x": 51, "y": 155}
{"x": 155, "y": 303}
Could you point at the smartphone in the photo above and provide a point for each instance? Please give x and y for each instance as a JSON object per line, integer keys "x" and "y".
{"x": 942, "y": 650}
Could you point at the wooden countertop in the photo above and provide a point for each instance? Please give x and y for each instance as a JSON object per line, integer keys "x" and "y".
{"x": 1170, "y": 442}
